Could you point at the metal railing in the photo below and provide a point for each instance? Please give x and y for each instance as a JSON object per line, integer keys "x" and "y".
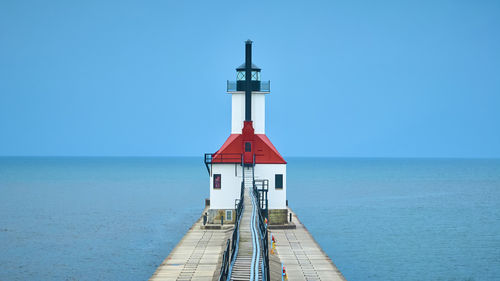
{"x": 239, "y": 211}
{"x": 263, "y": 219}
{"x": 217, "y": 158}
{"x": 232, "y": 86}
{"x": 262, "y": 187}
{"x": 230, "y": 158}
{"x": 225, "y": 264}
{"x": 265, "y": 86}
{"x": 257, "y": 86}
{"x": 231, "y": 251}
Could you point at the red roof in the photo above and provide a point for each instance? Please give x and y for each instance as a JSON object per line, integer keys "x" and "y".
{"x": 232, "y": 149}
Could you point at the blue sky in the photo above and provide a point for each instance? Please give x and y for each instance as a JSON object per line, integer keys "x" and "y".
{"x": 348, "y": 78}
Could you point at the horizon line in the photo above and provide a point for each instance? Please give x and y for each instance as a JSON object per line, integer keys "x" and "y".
{"x": 292, "y": 156}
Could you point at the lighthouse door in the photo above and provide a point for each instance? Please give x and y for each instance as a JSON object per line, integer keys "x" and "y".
{"x": 248, "y": 154}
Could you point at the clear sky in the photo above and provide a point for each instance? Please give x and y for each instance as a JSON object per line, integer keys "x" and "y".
{"x": 348, "y": 78}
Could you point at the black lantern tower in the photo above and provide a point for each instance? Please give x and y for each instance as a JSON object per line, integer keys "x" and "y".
{"x": 248, "y": 80}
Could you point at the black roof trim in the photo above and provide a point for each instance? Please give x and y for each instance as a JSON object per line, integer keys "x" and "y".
{"x": 242, "y": 67}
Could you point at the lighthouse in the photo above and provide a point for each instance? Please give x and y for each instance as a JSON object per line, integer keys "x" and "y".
{"x": 247, "y": 155}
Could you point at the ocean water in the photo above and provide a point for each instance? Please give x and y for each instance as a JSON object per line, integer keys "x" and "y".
{"x": 402, "y": 219}
{"x": 94, "y": 218}
{"x": 379, "y": 219}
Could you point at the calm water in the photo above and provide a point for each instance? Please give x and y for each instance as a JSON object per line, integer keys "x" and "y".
{"x": 379, "y": 219}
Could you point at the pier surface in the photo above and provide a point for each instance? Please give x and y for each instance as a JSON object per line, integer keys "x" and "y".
{"x": 301, "y": 255}
{"x": 196, "y": 257}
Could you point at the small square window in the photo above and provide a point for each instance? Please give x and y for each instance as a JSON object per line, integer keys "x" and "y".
{"x": 248, "y": 147}
{"x": 217, "y": 181}
{"x": 278, "y": 181}
{"x": 229, "y": 215}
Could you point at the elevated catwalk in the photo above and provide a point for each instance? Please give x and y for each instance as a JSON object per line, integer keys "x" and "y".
{"x": 198, "y": 256}
{"x": 248, "y": 260}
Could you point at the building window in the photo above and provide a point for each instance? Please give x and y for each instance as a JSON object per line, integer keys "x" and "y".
{"x": 229, "y": 215}
{"x": 217, "y": 181}
{"x": 248, "y": 147}
{"x": 278, "y": 181}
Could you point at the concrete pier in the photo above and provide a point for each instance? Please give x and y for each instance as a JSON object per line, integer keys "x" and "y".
{"x": 196, "y": 257}
{"x": 302, "y": 256}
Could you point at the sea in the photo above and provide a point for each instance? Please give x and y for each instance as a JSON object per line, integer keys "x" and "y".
{"x": 117, "y": 218}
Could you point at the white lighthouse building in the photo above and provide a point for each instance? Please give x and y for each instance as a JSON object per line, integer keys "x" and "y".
{"x": 247, "y": 152}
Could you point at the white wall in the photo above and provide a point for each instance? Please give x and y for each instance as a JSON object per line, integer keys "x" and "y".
{"x": 224, "y": 198}
{"x": 276, "y": 197}
{"x": 258, "y": 112}
{"x": 230, "y": 186}
{"x": 237, "y": 112}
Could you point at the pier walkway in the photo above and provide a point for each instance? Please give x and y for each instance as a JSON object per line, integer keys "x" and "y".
{"x": 196, "y": 257}
{"x": 248, "y": 256}
{"x": 199, "y": 255}
{"x": 302, "y": 257}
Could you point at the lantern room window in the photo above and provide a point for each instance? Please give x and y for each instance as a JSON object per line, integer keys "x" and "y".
{"x": 240, "y": 76}
{"x": 255, "y": 76}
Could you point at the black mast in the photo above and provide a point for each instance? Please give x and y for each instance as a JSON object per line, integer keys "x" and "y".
{"x": 248, "y": 80}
